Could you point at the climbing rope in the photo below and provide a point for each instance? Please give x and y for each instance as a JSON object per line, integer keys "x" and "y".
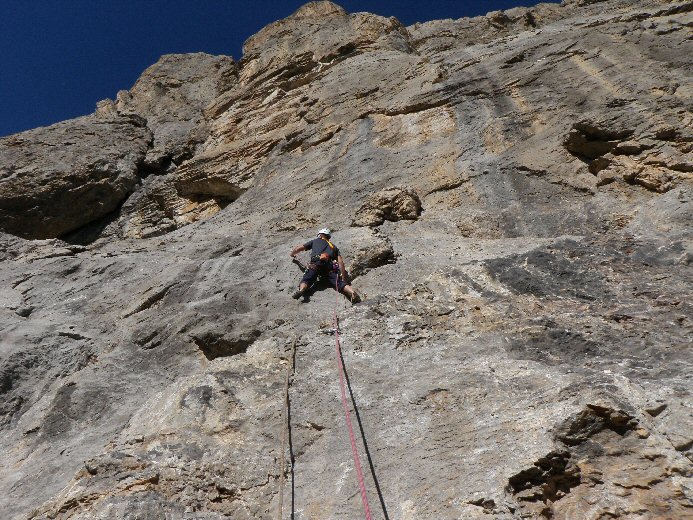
{"x": 289, "y": 373}
{"x": 345, "y": 405}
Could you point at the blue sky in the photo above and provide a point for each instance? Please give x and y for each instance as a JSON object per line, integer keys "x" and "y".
{"x": 58, "y": 58}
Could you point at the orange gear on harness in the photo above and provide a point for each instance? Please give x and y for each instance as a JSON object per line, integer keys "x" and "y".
{"x": 325, "y": 256}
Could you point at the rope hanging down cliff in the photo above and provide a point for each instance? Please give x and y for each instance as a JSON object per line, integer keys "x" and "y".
{"x": 347, "y": 413}
{"x": 285, "y": 431}
{"x": 347, "y": 416}
{"x": 343, "y": 381}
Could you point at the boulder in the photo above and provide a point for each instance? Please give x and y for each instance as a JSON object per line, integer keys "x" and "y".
{"x": 56, "y": 179}
{"x": 398, "y": 203}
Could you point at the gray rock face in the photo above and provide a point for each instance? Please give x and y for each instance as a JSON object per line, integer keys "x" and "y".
{"x": 56, "y": 179}
{"x": 60, "y": 179}
{"x": 171, "y": 95}
{"x": 512, "y": 195}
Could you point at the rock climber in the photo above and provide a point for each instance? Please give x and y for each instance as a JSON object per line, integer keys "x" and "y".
{"x": 326, "y": 262}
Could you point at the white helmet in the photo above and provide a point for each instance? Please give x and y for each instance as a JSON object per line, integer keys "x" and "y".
{"x": 325, "y": 231}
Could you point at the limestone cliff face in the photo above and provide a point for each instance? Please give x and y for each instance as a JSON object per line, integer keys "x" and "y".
{"x": 512, "y": 193}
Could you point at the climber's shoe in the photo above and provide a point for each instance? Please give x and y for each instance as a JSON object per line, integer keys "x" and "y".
{"x": 297, "y": 294}
{"x": 355, "y": 298}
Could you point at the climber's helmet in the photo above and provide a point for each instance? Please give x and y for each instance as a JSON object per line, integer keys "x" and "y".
{"x": 326, "y": 232}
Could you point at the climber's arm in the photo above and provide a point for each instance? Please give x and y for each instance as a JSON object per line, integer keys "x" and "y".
{"x": 297, "y": 250}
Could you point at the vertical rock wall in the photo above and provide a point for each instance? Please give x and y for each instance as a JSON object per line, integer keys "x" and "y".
{"x": 512, "y": 195}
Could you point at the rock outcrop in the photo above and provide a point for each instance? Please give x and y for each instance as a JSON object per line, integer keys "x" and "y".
{"x": 400, "y": 203}
{"x": 59, "y": 178}
{"x": 513, "y": 195}
{"x": 171, "y": 95}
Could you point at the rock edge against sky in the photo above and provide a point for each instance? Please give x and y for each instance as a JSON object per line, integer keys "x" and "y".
{"x": 512, "y": 193}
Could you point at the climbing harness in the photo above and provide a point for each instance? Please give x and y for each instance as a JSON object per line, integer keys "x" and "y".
{"x": 345, "y": 405}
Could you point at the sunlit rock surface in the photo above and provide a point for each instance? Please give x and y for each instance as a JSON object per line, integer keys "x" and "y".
{"x": 512, "y": 194}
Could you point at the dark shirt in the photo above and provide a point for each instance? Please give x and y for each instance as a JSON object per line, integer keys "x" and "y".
{"x": 319, "y": 246}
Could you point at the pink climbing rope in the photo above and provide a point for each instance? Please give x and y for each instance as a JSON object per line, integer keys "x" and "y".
{"x": 345, "y": 405}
